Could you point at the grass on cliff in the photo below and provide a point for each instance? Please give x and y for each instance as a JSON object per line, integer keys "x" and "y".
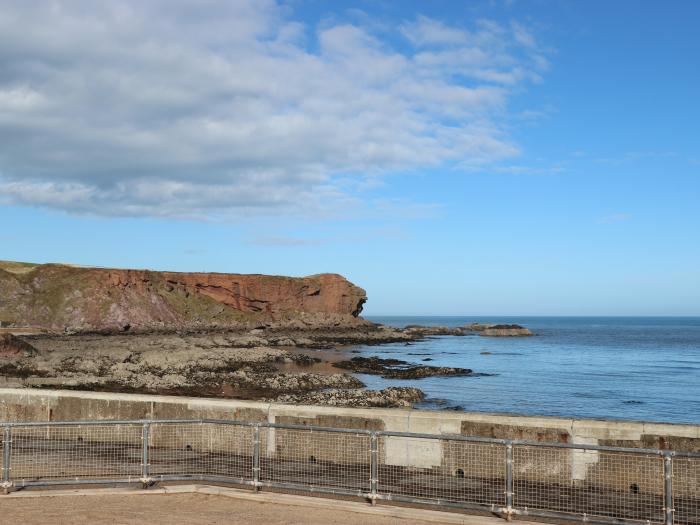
{"x": 17, "y": 267}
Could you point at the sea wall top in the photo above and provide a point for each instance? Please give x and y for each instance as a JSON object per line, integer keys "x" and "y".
{"x": 61, "y": 405}
{"x": 62, "y": 297}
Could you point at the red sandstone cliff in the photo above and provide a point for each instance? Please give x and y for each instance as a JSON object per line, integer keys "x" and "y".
{"x": 70, "y": 298}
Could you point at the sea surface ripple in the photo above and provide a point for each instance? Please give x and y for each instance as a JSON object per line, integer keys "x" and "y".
{"x": 638, "y": 368}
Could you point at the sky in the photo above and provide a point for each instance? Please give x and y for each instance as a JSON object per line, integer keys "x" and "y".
{"x": 498, "y": 157}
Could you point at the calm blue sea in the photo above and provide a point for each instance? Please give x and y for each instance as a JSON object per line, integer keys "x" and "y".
{"x": 597, "y": 367}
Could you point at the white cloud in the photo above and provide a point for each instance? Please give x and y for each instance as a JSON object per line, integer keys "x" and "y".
{"x": 214, "y": 109}
{"x": 426, "y": 31}
{"x": 523, "y": 36}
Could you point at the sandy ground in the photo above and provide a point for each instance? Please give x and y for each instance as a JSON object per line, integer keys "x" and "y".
{"x": 176, "y": 509}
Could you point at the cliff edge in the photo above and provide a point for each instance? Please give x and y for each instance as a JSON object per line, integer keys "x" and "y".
{"x": 63, "y": 297}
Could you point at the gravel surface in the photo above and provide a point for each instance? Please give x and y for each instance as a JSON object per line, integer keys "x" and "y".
{"x": 176, "y": 509}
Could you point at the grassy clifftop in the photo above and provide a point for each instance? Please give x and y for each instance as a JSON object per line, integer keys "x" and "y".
{"x": 17, "y": 267}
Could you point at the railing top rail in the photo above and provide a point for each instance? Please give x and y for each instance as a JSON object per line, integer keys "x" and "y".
{"x": 600, "y": 448}
{"x": 96, "y": 422}
{"x": 387, "y": 433}
{"x": 444, "y": 437}
{"x": 317, "y": 429}
{"x": 233, "y": 422}
{"x": 520, "y": 442}
{"x": 684, "y": 454}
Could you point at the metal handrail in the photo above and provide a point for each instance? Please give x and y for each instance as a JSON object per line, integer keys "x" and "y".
{"x": 373, "y": 489}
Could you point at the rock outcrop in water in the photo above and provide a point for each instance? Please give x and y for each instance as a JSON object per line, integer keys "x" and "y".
{"x": 61, "y": 297}
{"x": 488, "y": 330}
{"x": 506, "y": 330}
{"x": 398, "y": 369}
{"x": 420, "y": 331}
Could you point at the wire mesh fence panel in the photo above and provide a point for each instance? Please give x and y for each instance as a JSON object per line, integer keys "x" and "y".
{"x": 315, "y": 458}
{"x": 617, "y": 484}
{"x": 449, "y": 470}
{"x": 190, "y": 449}
{"x": 592, "y": 482}
{"x": 76, "y": 452}
{"x": 686, "y": 490}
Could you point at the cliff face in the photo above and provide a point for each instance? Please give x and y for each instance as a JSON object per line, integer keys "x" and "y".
{"x": 60, "y": 297}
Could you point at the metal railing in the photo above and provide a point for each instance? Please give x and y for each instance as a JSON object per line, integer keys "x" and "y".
{"x": 507, "y": 477}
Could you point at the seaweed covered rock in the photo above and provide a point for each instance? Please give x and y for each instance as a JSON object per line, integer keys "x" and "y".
{"x": 13, "y": 346}
{"x": 398, "y": 369}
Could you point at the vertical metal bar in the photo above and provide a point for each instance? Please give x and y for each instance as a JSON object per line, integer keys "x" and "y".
{"x": 145, "y": 456}
{"x": 509, "y": 482}
{"x": 6, "y": 454}
{"x": 668, "y": 488}
{"x": 256, "y": 457}
{"x": 373, "y": 467}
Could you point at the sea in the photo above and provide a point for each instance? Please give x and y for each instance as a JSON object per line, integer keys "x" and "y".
{"x": 634, "y": 368}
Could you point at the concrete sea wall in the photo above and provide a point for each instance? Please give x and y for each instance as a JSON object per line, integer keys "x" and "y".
{"x": 556, "y": 465}
{"x": 63, "y": 405}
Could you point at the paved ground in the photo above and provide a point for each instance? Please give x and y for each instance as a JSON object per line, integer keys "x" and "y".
{"x": 199, "y": 509}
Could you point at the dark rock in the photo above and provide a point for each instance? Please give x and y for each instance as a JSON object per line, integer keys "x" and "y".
{"x": 506, "y": 330}
{"x": 417, "y": 330}
{"x": 397, "y": 369}
{"x": 303, "y": 359}
{"x": 13, "y": 346}
{"x": 497, "y": 330}
{"x": 476, "y": 327}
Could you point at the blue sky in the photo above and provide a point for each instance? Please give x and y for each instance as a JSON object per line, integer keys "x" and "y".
{"x": 453, "y": 158}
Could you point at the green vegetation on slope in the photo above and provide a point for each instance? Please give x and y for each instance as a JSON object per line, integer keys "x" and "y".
{"x": 17, "y": 267}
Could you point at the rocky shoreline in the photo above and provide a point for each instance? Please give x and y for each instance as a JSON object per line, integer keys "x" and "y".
{"x": 270, "y": 363}
{"x": 204, "y": 334}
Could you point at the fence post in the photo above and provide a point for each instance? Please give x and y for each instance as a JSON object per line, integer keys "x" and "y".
{"x": 6, "y": 454}
{"x": 256, "y": 457}
{"x": 509, "y": 511}
{"x": 668, "y": 488}
{"x": 145, "y": 456}
{"x": 373, "y": 467}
